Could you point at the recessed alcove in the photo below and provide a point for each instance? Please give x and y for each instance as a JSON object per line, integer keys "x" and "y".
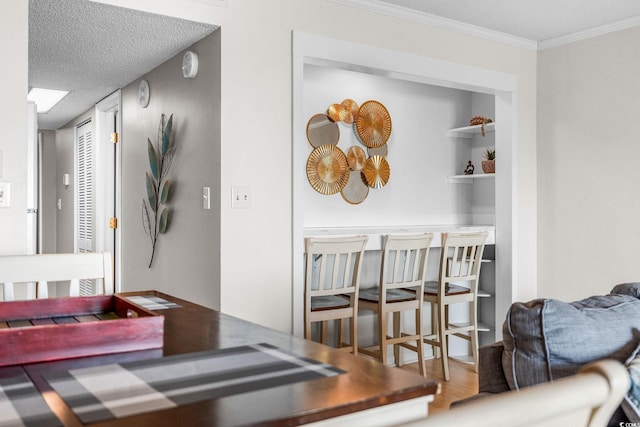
{"x": 425, "y": 98}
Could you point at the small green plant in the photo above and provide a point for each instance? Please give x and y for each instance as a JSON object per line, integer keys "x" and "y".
{"x": 489, "y": 154}
{"x": 155, "y": 212}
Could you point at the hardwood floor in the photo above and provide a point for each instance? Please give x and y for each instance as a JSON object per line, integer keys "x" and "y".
{"x": 463, "y": 382}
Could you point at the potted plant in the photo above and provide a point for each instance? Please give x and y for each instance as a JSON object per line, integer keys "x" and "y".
{"x": 489, "y": 164}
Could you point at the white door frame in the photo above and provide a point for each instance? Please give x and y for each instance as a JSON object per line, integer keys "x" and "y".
{"x": 32, "y": 179}
{"x": 108, "y": 179}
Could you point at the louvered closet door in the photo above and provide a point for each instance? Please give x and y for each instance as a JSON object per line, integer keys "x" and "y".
{"x": 85, "y": 197}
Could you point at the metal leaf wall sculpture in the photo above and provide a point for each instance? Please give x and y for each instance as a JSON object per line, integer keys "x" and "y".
{"x": 155, "y": 209}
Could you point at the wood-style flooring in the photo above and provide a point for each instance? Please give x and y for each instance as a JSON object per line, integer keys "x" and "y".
{"x": 463, "y": 382}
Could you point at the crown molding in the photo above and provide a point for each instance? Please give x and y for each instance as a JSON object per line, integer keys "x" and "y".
{"x": 480, "y": 32}
{"x": 590, "y": 33}
{"x": 439, "y": 22}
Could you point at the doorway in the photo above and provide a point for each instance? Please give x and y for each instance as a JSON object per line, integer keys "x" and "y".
{"x": 108, "y": 179}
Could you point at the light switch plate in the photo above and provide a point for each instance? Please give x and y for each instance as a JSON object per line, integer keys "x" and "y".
{"x": 5, "y": 194}
{"x": 240, "y": 197}
{"x": 206, "y": 198}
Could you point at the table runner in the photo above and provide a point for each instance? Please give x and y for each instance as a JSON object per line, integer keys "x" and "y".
{"x": 151, "y": 302}
{"x": 120, "y": 390}
{"x": 21, "y": 404}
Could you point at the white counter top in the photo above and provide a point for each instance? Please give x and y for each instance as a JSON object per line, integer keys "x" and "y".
{"x": 376, "y": 233}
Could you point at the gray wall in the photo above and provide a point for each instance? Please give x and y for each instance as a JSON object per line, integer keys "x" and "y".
{"x": 48, "y": 193}
{"x": 187, "y": 259}
{"x": 186, "y": 262}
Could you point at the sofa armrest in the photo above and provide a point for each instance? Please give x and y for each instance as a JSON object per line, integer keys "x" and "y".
{"x": 491, "y": 377}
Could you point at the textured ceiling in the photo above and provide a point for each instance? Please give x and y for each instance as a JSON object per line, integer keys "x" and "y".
{"x": 93, "y": 49}
{"x": 538, "y": 20}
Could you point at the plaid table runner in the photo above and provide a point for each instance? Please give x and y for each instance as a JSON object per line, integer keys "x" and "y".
{"x": 119, "y": 390}
{"x": 151, "y": 302}
{"x": 21, "y": 404}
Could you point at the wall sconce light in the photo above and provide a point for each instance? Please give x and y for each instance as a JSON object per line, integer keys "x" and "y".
{"x": 65, "y": 179}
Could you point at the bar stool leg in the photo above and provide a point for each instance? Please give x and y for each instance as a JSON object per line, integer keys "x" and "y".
{"x": 420, "y": 344}
{"x": 443, "y": 339}
{"x": 383, "y": 318}
{"x": 397, "y": 321}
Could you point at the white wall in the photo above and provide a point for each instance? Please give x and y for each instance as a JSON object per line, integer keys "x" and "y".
{"x": 13, "y": 122}
{"x": 48, "y": 193}
{"x": 256, "y": 129}
{"x": 420, "y": 154}
{"x": 588, "y": 153}
{"x": 257, "y": 63}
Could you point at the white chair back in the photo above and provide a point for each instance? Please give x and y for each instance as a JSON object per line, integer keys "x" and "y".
{"x": 461, "y": 259}
{"x": 38, "y": 270}
{"x": 404, "y": 263}
{"x": 587, "y": 399}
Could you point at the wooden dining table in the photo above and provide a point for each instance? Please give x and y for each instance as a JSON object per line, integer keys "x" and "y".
{"x": 366, "y": 393}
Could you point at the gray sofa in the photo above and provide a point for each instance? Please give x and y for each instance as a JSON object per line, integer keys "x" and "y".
{"x": 546, "y": 339}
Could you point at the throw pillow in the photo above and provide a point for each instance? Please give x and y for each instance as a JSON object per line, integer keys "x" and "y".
{"x": 547, "y": 339}
{"x": 632, "y": 289}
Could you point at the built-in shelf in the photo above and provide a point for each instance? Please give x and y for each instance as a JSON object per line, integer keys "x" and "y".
{"x": 468, "y": 179}
{"x": 469, "y": 131}
{"x": 482, "y": 327}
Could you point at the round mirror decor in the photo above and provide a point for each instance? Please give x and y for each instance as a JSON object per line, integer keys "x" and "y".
{"x": 356, "y": 190}
{"x": 321, "y": 130}
{"x": 378, "y": 151}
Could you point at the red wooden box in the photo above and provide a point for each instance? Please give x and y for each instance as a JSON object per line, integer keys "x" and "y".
{"x": 61, "y": 328}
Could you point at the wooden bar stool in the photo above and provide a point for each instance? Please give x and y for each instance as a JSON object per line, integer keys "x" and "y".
{"x": 459, "y": 271}
{"x": 402, "y": 276}
{"x": 332, "y": 281}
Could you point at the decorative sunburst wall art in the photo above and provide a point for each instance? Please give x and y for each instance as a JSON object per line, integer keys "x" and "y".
{"x": 330, "y": 170}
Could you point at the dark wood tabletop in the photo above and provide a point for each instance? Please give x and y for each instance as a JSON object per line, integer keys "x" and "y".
{"x": 366, "y": 384}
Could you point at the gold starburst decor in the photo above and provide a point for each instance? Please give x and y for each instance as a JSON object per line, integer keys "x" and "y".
{"x": 327, "y": 169}
{"x": 376, "y": 171}
{"x": 337, "y": 112}
{"x": 373, "y": 124}
{"x": 352, "y": 108}
{"x": 364, "y": 166}
{"x": 356, "y": 158}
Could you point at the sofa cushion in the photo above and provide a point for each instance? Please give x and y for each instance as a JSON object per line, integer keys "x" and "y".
{"x": 631, "y": 401}
{"x": 491, "y": 377}
{"x": 547, "y": 339}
